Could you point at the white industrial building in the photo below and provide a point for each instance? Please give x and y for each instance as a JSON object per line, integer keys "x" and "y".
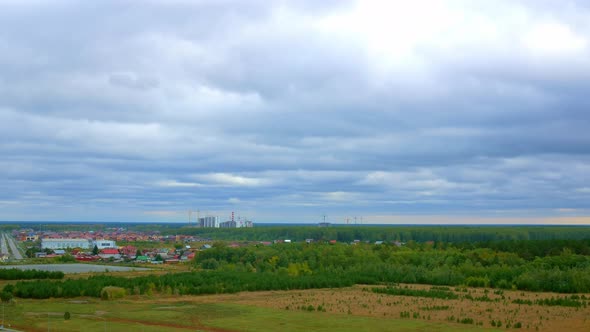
{"x": 65, "y": 243}
{"x": 104, "y": 244}
{"x": 209, "y": 222}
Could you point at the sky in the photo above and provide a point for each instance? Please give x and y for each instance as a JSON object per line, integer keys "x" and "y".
{"x": 286, "y": 111}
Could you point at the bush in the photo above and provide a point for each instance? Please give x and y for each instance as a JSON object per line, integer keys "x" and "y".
{"x": 67, "y": 315}
{"x": 112, "y": 293}
{"x": 477, "y": 282}
{"x": 467, "y": 321}
{"x": 6, "y": 296}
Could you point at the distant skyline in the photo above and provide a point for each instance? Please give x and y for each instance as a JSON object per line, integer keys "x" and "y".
{"x": 284, "y": 111}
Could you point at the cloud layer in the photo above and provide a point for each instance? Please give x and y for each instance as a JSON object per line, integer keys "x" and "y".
{"x": 118, "y": 110}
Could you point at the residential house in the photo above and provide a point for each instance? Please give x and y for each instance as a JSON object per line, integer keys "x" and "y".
{"x": 109, "y": 253}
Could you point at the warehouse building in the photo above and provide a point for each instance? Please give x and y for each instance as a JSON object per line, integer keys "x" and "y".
{"x": 65, "y": 243}
{"x": 104, "y": 244}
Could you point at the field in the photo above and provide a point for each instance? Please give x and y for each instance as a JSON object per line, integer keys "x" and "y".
{"x": 495, "y": 279}
{"x": 350, "y": 309}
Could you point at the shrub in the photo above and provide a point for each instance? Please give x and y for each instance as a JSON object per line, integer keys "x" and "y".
{"x": 6, "y": 296}
{"x": 466, "y": 321}
{"x": 112, "y": 293}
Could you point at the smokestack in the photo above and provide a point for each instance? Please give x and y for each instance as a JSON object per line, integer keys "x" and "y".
{"x": 232, "y": 216}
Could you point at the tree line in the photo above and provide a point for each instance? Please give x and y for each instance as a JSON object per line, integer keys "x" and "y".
{"x": 224, "y": 269}
{"x": 390, "y": 233}
{"x": 565, "y": 271}
{"x": 17, "y": 274}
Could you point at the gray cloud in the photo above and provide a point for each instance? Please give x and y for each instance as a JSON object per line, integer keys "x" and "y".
{"x": 285, "y": 111}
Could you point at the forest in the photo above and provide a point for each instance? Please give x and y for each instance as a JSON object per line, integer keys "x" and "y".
{"x": 342, "y": 233}
{"x": 532, "y": 265}
{"x": 17, "y": 274}
{"x": 349, "y": 233}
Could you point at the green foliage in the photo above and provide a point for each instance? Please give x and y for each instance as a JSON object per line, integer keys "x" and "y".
{"x": 30, "y": 252}
{"x": 477, "y": 282}
{"x": 319, "y": 265}
{"x": 439, "y": 235}
{"x": 67, "y": 315}
{"x": 191, "y": 283}
{"x": 112, "y": 293}
{"x": 572, "y": 301}
{"x": 17, "y": 274}
{"x": 522, "y": 301}
{"x": 6, "y": 296}
{"x": 67, "y": 258}
{"x": 210, "y": 264}
{"x": 466, "y": 321}
{"x": 561, "y": 301}
{"x": 435, "y": 308}
{"x": 431, "y": 293}
{"x": 95, "y": 250}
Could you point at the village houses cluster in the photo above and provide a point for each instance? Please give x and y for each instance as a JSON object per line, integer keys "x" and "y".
{"x": 102, "y": 245}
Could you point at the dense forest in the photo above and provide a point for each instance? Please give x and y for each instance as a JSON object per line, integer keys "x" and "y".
{"x": 528, "y": 265}
{"x": 17, "y": 274}
{"x": 544, "y": 265}
{"x": 443, "y": 233}
{"x": 344, "y": 233}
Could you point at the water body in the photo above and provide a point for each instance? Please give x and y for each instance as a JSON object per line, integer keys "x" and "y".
{"x": 74, "y": 268}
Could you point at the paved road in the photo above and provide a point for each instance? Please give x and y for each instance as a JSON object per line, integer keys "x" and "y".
{"x": 3, "y": 246}
{"x": 15, "y": 253}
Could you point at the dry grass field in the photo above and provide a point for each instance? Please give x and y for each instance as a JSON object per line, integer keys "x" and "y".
{"x": 360, "y": 301}
{"x": 349, "y": 309}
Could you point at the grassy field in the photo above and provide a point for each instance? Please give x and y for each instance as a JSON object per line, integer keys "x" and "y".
{"x": 190, "y": 314}
{"x": 349, "y": 309}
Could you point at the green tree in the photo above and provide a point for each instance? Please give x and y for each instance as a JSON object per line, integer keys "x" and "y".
{"x": 95, "y": 250}
{"x": 67, "y": 315}
{"x": 30, "y": 252}
{"x": 6, "y": 296}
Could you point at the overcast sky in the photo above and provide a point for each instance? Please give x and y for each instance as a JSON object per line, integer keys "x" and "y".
{"x": 283, "y": 111}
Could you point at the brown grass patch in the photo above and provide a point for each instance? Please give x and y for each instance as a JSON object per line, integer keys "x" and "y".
{"x": 360, "y": 300}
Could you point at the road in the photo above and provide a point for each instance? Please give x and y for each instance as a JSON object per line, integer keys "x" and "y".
{"x": 5, "y": 242}
{"x": 3, "y": 246}
{"x": 15, "y": 252}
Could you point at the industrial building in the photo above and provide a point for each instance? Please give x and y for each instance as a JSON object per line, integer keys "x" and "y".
{"x": 247, "y": 223}
{"x": 228, "y": 224}
{"x": 209, "y": 222}
{"x": 65, "y": 243}
{"x": 104, "y": 244}
{"x": 76, "y": 243}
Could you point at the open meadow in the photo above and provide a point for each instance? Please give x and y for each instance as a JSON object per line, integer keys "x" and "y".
{"x": 356, "y": 308}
